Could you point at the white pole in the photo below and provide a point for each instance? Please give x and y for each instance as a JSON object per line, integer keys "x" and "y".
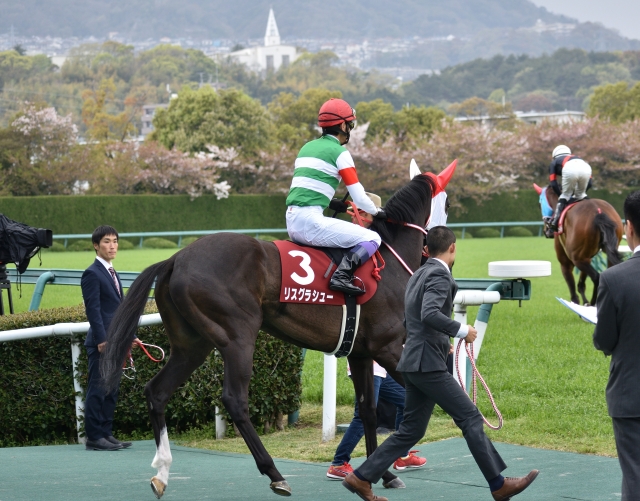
{"x": 221, "y": 425}
{"x": 460, "y": 315}
{"x": 75, "y": 355}
{"x": 329, "y": 398}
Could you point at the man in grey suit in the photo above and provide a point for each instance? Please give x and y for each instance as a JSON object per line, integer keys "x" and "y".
{"x": 428, "y": 305}
{"x": 617, "y": 334}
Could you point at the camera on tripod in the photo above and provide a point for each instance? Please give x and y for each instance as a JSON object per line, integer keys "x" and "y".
{"x": 18, "y": 244}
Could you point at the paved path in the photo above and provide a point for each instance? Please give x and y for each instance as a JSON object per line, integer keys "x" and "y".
{"x": 65, "y": 473}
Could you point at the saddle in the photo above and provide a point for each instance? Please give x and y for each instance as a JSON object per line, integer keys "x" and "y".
{"x": 306, "y": 272}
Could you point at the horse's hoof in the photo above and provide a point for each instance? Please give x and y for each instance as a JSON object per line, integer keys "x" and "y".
{"x": 158, "y": 487}
{"x": 281, "y": 488}
{"x": 396, "y": 483}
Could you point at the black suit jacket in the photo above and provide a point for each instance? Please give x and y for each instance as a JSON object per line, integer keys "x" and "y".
{"x": 101, "y": 300}
{"x": 617, "y": 333}
{"x": 428, "y": 302}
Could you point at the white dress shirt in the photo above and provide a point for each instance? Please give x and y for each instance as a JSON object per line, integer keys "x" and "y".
{"x": 464, "y": 329}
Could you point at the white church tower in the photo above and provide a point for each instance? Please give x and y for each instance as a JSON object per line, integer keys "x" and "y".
{"x": 272, "y": 36}
{"x": 270, "y": 57}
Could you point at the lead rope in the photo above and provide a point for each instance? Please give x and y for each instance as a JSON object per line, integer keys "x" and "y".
{"x": 132, "y": 367}
{"x": 476, "y": 372}
{"x": 468, "y": 347}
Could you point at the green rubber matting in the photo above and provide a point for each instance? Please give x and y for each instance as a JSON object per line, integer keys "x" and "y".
{"x": 69, "y": 472}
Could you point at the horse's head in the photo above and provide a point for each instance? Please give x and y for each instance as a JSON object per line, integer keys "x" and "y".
{"x": 545, "y": 207}
{"x": 422, "y": 202}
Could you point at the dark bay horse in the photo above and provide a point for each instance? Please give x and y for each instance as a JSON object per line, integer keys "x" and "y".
{"x": 218, "y": 292}
{"x": 592, "y": 225}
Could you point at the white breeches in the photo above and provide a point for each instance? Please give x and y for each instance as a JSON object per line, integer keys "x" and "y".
{"x": 307, "y": 225}
{"x": 575, "y": 178}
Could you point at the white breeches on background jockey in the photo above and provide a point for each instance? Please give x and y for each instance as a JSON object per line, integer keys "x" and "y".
{"x": 307, "y": 225}
{"x": 575, "y": 178}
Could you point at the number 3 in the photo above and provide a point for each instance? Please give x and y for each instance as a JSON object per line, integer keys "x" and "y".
{"x": 304, "y": 264}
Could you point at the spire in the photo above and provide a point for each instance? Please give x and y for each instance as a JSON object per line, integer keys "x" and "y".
{"x": 272, "y": 36}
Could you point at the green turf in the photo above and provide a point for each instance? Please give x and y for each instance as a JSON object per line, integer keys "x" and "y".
{"x": 68, "y": 472}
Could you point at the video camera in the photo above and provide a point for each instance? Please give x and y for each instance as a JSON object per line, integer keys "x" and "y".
{"x": 19, "y": 243}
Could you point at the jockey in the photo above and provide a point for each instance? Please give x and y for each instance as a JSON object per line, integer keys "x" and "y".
{"x": 319, "y": 168}
{"x": 576, "y": 180}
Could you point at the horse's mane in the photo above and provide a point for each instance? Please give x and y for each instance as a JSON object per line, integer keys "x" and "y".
{"x": 405, "y": 206}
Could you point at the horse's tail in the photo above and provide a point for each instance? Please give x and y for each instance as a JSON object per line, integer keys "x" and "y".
{"x": 125, "y": 324}
{"x": 608, "y": 237}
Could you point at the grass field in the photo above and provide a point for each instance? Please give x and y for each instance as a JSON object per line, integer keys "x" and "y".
{"x": 538, "y": 359}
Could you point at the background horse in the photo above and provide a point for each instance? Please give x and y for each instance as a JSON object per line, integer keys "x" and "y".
{"x": 218, "y": 292}
{"x": 592, "y": 225}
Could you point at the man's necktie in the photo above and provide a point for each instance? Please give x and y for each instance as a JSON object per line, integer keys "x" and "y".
{"x": 115, "y": 280}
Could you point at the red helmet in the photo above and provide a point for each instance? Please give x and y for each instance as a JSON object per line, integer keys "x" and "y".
{"x": 334, "y": 112}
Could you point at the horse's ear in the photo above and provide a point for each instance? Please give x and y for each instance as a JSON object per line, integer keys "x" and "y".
{"x": 537, "y": 188}
{"x": 445, "y": 176}
{"x": 414, "y": 170}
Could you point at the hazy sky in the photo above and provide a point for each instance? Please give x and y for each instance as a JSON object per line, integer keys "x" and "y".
{"x": 623, "y": 15}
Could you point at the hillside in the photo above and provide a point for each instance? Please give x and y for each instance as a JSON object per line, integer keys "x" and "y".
{"x": 242, "y": 19}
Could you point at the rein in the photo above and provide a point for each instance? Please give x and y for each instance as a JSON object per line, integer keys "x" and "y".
{"x": 142, "y": 346}
{"x": 468, "y": 347}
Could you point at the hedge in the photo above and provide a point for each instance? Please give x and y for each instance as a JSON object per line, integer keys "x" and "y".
{"x": 37, "y": 397}
{"x": 141, "y": 213}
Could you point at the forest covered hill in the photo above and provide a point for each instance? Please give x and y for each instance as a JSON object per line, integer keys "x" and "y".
{"x": 242, "y": 19}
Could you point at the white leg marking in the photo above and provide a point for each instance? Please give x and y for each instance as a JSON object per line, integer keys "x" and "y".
{"x": 163, "y": 458}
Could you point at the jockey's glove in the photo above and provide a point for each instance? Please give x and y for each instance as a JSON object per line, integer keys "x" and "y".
{"x": 338, "y": 205}
{"x": 381, "y": 214}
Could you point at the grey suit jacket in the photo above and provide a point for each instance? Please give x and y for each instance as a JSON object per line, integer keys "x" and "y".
{"x": 428, "y": 302}
{"x": 617, "y": 333}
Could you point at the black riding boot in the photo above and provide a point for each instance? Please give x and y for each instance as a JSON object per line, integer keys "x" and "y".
{"x": 553, "y": 225}
{"x": 342, "y": 277}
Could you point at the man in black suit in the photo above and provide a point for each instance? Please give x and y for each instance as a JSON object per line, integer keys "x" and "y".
{"x": 102, "y": 293}
{"x": 617, "y": 334}
{"x": 428, "y": 305}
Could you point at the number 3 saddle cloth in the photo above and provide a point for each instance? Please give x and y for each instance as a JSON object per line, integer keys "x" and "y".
{"x": 306, "y": 272}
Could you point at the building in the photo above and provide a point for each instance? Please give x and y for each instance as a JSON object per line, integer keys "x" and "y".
{"x": 148, "y": 112}
{"x": 531, "y": 117}
{"x": 270, "y": 57}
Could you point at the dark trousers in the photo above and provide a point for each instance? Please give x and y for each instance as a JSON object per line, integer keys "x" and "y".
{"x": 98, "y": 406}
{"x": 423, "y": 391}
{"x": 390, "y": 391}
{"x": 627, "y": 435}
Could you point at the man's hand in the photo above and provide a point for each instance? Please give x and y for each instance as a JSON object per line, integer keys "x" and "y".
{"x": 471, "y": 335}
{"x": 381, "y": 214}
{"x": 102, "y": 346}
{"x": 135, "y": 343}
{"x": 338, "y": 205}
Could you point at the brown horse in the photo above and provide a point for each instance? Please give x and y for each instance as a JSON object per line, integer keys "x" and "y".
{"x": 218, "y": 292}
{"x": 592, "y": 225}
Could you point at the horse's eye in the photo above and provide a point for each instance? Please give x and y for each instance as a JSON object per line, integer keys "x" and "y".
{"x": 446, "y": 206}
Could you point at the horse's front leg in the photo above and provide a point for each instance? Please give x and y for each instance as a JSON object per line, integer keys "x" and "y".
{"x": 362, "y": 376}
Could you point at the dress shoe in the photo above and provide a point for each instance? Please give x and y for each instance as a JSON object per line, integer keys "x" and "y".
{"x": 114, "y": 440}
{"x": 361, "y": 488}
{"x": 513, "y": 486}
{"x": 102, "y": 444}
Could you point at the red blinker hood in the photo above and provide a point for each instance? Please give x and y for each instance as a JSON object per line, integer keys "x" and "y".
{"x": 537, "y": 188}
{"x": 442, "y": 179}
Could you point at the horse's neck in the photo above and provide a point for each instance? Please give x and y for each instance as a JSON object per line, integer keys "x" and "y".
{"x": 408, "y": 245}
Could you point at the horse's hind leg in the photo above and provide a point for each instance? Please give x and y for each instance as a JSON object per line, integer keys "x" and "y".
{"x": 587, "y": 270}
{"x": 238, "y": 365}
{"x": 566, "y": 266}
{"x": 188, "y": 352}
{"x": 582, "y": 286}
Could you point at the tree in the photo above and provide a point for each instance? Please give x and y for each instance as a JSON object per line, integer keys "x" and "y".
{"x": 198, "y": 119}
{"x": 378, "y": 114}
{"x": 296, "y": 118}
{"x": 616, "y": 102}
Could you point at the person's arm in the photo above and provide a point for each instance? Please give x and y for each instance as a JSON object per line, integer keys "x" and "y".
{"x": 436, "y": 290}
{"x": 553, "y": 181}
{"x": 90, "y": 285}
{"x": 347, "y": 170}
{"x": 605, "y": 335}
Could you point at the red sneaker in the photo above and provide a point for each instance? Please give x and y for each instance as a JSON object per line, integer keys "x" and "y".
{"x": 411, "y": 461}
{"x": 339, "y": 472}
